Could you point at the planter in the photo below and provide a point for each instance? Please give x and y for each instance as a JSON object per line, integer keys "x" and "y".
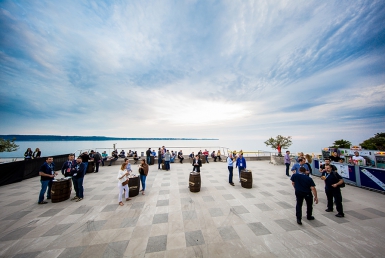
{"x": 276, "y": 160}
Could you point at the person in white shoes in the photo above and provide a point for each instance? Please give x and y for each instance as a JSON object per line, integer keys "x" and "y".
{"x": 123, "y": 183}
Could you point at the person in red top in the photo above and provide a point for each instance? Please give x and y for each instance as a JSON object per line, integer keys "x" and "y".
{"x": 206, "y": 153}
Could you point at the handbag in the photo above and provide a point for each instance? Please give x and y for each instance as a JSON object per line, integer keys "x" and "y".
{"x": 125, "y": 182}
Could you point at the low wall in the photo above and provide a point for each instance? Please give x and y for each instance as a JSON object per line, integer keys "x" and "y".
{"x": 17, "y": 171}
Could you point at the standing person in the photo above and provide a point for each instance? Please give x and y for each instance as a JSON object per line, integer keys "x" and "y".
{"x": 97, "y": 159}
{"x": 68, "y": 166}
{"x": 197, "y": 163}
{"x": 148, "y": 155}
{"x": 304, "y": 187}
{"x": 78, "y": 178}
{"x": 332, "y": 189}
{"x": 28, "y": 154}
{"x": 241, "y": 164}
{"x": 300, "y": 156}
{"x": 128, "y": 165}
{"x": 206, "y": 153}
{"x": 104, "y": 157}
{"x": 180, "y": 156}
{"x": 297, "y": 166}
{"x": 160, "y": 157}
{"x": 230, "y": 167}
{"x": 357, "y": 159}
{"x": 167, "y": 157}
{"x": 123, "y": 178}
{"x": 327, "y": 162}
{"x": 334, "y": 157}
{"x": 287, "y": 162}
{"x": 85, "y": 158}
{"x": 46, "y": 174}
{"x": 143, "y": 172}
{"x": 36, "y": 154}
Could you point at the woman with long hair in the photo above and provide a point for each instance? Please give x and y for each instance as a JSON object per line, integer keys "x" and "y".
{"x": 37, "y": 153}
{"x": 122, "y": 178}
{"x": 143, "y": 171}
{"x": 28, "y": 154}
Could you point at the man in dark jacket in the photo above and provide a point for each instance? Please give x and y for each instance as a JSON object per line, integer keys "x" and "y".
{"x": 97, "y": 159}
{"x": 85, "y": 158}
{"x": 77, "y": 179}
{"x": 68, "y": 166}
{"x": 332, "y": 189}
{"x": 197, "y": 163}
{"x": 148, "y": 156}
{"x": 241, "y": 165}
{"x": 304, "y": 187}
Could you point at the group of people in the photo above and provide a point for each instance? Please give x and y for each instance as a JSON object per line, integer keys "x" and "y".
{"x": 73, "y": 168}
{"x": 305, "y": 189}
{"x": 240, "y": 163}
{"x": 28, "y": 154}
{"x": 206, "y": 154}
{"x": 124, "y": 177}
{"x": 166, "y": 157}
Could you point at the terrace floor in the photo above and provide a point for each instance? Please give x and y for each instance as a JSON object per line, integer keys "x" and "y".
{"x": 169, "y": 221}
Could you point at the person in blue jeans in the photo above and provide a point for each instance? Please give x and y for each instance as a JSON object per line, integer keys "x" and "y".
{"x": 143, "y": 172}
{"x": 77, "y": 180}
{"x": 46, "y": 174}
{"x": 167, "y": 158}
{"x": 230, "y": 168}
{"x": 287, "y": 162}
{"x": 241, "y": 165}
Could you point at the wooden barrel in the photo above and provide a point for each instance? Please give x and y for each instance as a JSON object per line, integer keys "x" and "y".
{"x": 152, "y": 159}
{"x": 91, "y": 167}
{"x": 61, "y": 189}
{"x": 195, "y": 182}
{"x": 246, "y": 179}
{"x": 203, "y": 159}
{"x": 133, "y": 186}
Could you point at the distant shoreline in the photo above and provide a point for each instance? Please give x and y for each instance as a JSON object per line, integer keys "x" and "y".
{"x": 25, "y": 138}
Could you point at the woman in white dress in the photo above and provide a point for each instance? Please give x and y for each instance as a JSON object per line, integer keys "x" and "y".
{"x": 123, "y": 177}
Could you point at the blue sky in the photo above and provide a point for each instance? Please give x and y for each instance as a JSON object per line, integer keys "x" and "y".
{"x": 237, "y": 70}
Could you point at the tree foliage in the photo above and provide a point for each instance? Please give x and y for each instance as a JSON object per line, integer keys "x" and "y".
{"x": 341, "y": 144}
{"x": 375, "y": 143}
{"x": 8, "y": 145}
{"x": 280, "y": 142}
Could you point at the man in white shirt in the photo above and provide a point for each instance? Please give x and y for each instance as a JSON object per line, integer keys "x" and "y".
{"x": 358, "y": 159}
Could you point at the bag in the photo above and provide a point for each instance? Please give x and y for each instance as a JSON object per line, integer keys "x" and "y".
{"x": 125, "y": 182}
{"x": 310, "y": 169}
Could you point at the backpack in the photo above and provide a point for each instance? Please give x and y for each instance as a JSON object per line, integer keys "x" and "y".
{"x": 341, "y": 185}
{"x": 310, "y": 169}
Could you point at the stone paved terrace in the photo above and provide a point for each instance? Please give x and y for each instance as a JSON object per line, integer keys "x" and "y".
{"x": 170, "y": 221}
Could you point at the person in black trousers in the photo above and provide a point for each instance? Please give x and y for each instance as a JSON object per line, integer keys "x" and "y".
{"x": 332, "y": 189}
{"x": 197, "y": 163}
{"x": 304, "y": 186}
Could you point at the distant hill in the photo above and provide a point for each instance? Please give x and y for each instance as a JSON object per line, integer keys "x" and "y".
{"x": 25, "y": 138}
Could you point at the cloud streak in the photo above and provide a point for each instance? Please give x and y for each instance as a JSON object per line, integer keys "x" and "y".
{"x": 192, "y": 67}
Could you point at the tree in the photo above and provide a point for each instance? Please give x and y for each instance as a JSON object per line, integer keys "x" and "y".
{"x": 280, "y": 142}
{"x": 375, "y": 143}
{"x": 341, "y": 144}
{"x": 8, "y": 145}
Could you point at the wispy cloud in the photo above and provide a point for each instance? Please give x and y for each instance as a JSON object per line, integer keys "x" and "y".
{"x": 193, "y": 66}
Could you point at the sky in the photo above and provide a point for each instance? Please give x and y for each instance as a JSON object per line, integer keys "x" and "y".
{"x": 235, "y": 70}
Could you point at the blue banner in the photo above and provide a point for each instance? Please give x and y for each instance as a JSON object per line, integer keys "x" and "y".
{"x": 373, "y": 178}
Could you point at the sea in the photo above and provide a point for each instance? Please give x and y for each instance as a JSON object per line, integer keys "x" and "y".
{"x": 51, "y": 148}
